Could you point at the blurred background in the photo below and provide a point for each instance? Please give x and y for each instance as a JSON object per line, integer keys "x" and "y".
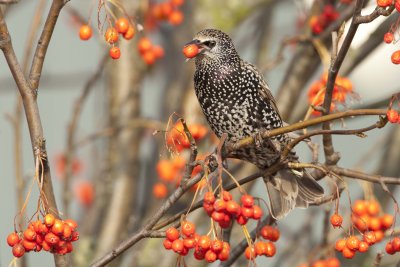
{"x": 104, "y": 171}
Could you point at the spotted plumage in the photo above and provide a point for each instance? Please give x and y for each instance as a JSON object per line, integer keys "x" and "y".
{"x": 236, "y": 101}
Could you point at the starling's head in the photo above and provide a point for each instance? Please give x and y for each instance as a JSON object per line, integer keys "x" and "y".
{"x": 215, "y": 47}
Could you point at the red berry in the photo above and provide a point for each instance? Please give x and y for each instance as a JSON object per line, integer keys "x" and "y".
{"x": 336, "y": 220}
{"x": 188, "y": 228}
{"x": 167, "y": 244}
{"x": 242, "y": 220}
{"x": 226, "y": 195}
{"x": 396, "y": 244}
{"x": 348, "y": 253}
{"x": 172, "y": 233}
{"x": 247, "y": 212}
{"x": 73, "y": 224}
{"x": 219, "y": 205}
{"x": 204, "y": 242}
{"x": 270, "y": 249}
{"x": 250, "y": 253}
{"x": 177, "y": 245}
{"x": 210, "y": 256}
{"x": 383, "y": 3}
{"x": 257, "y": 212}
{"x": 392, "y": 115}
{"x": 247, "y": 201}
{"x": 397, "y": 5}
{"x": 233, "y": 208}
{"x": 115, "y": 52}
{"x": 260, "y": 248}
{"x": 370, "y": 238}
{"x": 216, "y": 246}
{"x": 388, "y": 37}
{"x": 51, "y": 238}
{"x": 352, "y": 243}
{"x": 209, "y": 198}
{"x": 12, "y": 239}
{"x": 224, "y": 254}
{"x": 18, "y": 250}
{"x": 389, "y": 248}
{"x": 190, "y": 51}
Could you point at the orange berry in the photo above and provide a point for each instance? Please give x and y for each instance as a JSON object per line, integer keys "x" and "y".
{"x": 130, "y": 32}
{"x": 189, "y": 242}
{"x": 396, "y": 57}
{"x": 384, "y": 3}
{"x": 336, "y": 220}
{"x": 250, "y": 253}
{"x": 210, "y": 256}
{"x": 332, "y": 262}
{"x": 172, "y": 233}
{"x": 387, "y": 221}
{"x": 198, "y": 131}
{"x": 362, "y": 222}
{"x": 190, "y": 51}
{"x": 220, "y": 205}
{"x": 370, "y": 238}
{"x": 166, "y": 170}
{"x": 144, "y": 45}
{"x": 204, "y": 242}
{"x": 84, "y": 190}
{"x": 122, "y": 25}
{"x": 28, "y": 245}
{"x": 58, "y": 227}
{"x": 257, "y": 212}
{"x": 18, "y": 250}
{"x": 392, "y": 115}
{"x": 216, "y": 246}
{"x": 360, "y": 207}
{"x": 373, "y": 208}
{"x": 111, "y": 35}
{"x": 177, "y": 245}
{"x": 388, "y": 37}
{"x": 73, "y": 224}
{"x": 51, "y": 238}
{"x": 379, "y": 235}
{"x": 340, "y": 244}
{"x": 209, "y": 198}
{"x": 12, "y": 239}
{"x": 247, "y": 212}
{"x": 85, "y": 32}
{"x": 260, "y": 248}
{"x": 247, "y": 200}
{"x": 149, "y": 57}
{"x": 274, "y": 234}
{"x": 223, "y": 255}
{"x": 177, "y": 2}
{"x": 188, "y": 228}
{"x": 49, "y": 219}
{"x": 374, "y": 224}
{"x": 319, "y": 263}
{"x": 67, "y": 232}
{"x": 348, "y": 253}
{"x": 167, "y": 244}
{"x": 352, "y": 243}
{"x": 30, "y": 235}
{"x": 160, "y": 190}
{"x": 270, "y": 249}
{"x": 232, "y": 207}
{"x": 166, "y": 9}
{"x": 158, "y": 51}
{"x": 363, "y": 246}
{"x": 175, "y": 18}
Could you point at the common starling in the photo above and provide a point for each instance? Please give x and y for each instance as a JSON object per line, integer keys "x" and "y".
{"x": 236, "y": 100}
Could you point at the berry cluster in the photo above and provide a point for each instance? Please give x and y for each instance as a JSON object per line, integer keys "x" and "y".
{"x": 166, "y": 11}
{"x": 393, "y": 246}
{"x": 177, "y": 140}
{"x": 122, "y": 27}
{"x": 204, "y": 248}
{"x": 365, "y": 217}
{"x": 393, "y": 116}
{"x": 321, "y": 22}
{"x": 316, "y": 93}
{"x": 264, "y": 248}
{"x": 389, "y": 36}
{"x": 224, "y": 209}
{"x": 349, "y": 246}
{"x": 329, "y": 262}
{"x": 149, "y": 52}
{"x": 52, "y": 235}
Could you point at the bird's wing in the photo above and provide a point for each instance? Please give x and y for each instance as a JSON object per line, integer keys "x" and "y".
{"x": 264, "y": 89}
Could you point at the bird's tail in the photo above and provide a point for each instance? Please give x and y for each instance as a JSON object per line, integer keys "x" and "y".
{"x": 291, "y": 188}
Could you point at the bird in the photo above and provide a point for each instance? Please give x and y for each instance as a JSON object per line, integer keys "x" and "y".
{"x": 236, "y": 101}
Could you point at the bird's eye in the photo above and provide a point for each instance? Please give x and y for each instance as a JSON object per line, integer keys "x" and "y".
{"x": 210, "y": 44}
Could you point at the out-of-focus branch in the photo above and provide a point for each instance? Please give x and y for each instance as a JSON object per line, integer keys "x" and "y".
{"x": 71, "y": 131}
